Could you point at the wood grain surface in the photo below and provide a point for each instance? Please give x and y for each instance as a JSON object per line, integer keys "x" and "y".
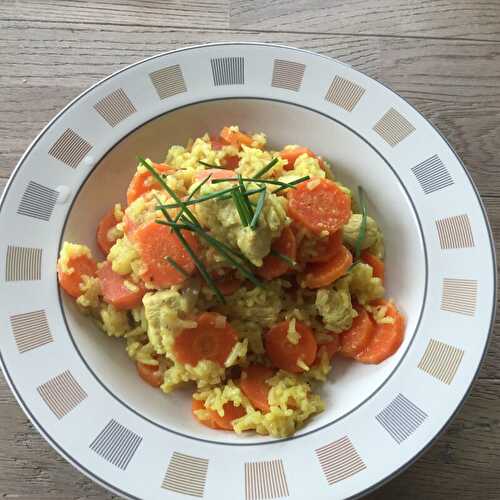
{"x": 443, "y": 56}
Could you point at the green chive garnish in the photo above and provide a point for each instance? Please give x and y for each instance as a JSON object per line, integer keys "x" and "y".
{"x": 284, "y": 258}
{"x": 258, "y": 209}
{"x": 170, "y": 191}
{"x": 267, "y": 167}
{"x": 228, "y": 253}
{"x": 238, "y": 203}
{"x": 208, "y": 165}
{"x": 291, "y": 184}
{"x": 198, "y": 263}
{"x": 246, "y": 203}
{"x": 177, "y": 267}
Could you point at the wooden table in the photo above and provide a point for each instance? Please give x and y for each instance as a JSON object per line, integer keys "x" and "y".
{"x": 443, "y": 56}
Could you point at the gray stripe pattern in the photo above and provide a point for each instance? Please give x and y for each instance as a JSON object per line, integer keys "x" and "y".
{"x": 459, "y": 296}
{"x": 339, "y": 460}
{"x": 37, "y": 201}
{"x": 344, "y": 93}
{"x": 31, "y": 330}
{"x": 62, "y": 394}
{"x": 228, "y": 71}
{"x": 287, "y": 75}
{"x": 23, "y": 264}
{"x": 432, "y": 175}
{"x": 393, "y": 127}
{"x": 186, "y": 475}
{"x": 441, "y": 361}
{"x": 70, "y": 148}
{"x": 168, "y": 81}
{"x": 115, "y": 107}
{"x": 401, "y": 418}
{"x": 116, "y": 444}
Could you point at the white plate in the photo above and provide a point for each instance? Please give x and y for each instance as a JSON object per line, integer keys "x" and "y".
{"x": 79, "y": 388}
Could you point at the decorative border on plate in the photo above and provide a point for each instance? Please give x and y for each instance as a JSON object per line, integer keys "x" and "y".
{"x": 344, "y": 93}
{"x": 264, "y": 480}
{"x": 23, "y": 264}
{"x": 455, "y": 232}
{"x": 186, "y": 475}
{"x": 288, "y": 75}
{"x": 432, "y": 175}
{"x": 168, "y": 81}
{"x": 62, "y": 394}
{"x": 339, "y": 460}
{"x": 70, "y": 148}
{"x": 228, "y": 70}
{"x": 459, "y": 296}
{"x": 115, "y": 107}
{"x": 441, "y": 361}
{"x": 393, "y": 127}
{"x": 116, "y": 444}
{"x": 401, "y": 418}
{"x": 31, "y": 330}
{"x": 38, "y": 201}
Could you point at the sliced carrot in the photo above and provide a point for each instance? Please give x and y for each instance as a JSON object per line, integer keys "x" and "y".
{"x": 210, "y": 340}
{"x": 326, "y": 248}
{"x": 333, "y": 346}
{"x": 115, "y": 291}
{"x": 376, "y": 264}
{"x": 235, "y": 138}
{"x": 142, "y": 182}
{"x": 319, "y": 205}
{"x": 357, "y": 338}
{"x": 324, "y": 273}
{"x": 155, "y": 243}
{"x": 231, "y": 162}
{"x": 150, "y": 374}
{"x": 292, "y": 154}
{"x": 215, "y": 173}
{"x": 386, "y": 338}
{"x": 217, "y": 142}
{"x": 82, "y": 266}
{"x": 228, "y": 284}
{"x": 105, "y": 225}
{"x": 283, "y": 353}
{"x": 196, "y": 404}
{"x": 274, "y": 266}
{"x": 253, "y": 384}
{"x": 231, "y": 412}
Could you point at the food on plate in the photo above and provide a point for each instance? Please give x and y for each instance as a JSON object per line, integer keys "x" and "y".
{"x": 242, "y": 271}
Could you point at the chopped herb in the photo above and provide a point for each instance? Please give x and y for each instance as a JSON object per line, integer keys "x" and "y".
{"x": 260, "y": 181}
{"x": 286, "y": 259}
{"x": 227, "y": 252}
{"x": 177, "y": 267}
{"x": 170, "y": 191}
{"x": 246, "y": 202}
{"x": 267, "y": 167}
{"x": 238, "y": 203}
{"x": 190, "y": 197}
{"x": 208, "y": 165}
{"x": 201, "y": 198}
{"x": 198, "y": 263}
{"x": 291, "y": 184}
{"x": 258, "y": 209}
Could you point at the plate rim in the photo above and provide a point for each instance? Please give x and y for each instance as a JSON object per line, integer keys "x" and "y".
{"x": 486, "y": 221}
